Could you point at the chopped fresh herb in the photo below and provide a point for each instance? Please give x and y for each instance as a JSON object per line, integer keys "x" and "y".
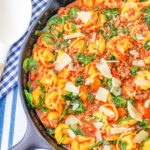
{"x": 39, "y": 22}
{"x": 147, "y": 45}
{"x": 37, "y": 32}
{"x": 90, "y": 98}
{"x": 46, "y": 38}
{"x": 131, "y": 100}
{"x": 95, "y": 145}
{"x": 46, "y": 29}
{"x": 29, "y": 98}
{"x": 50, "y": 131}
{"x": 113, "y": 31}
{"x": 65, "y": 44}
{"x": 85, "y": 59}
{"x": 124, "y": 30}
{"x": 134, "y": 70}
{"x": 41, "y": 86}
{"x": 73, "y": 11}
{"x": 84, "y": 45}
{"x": 29, "y": 63}
{"x": 124, "y": 119}
{"x": 74, "y": 101}
{"x": 63, "y": 114}
{"x": 97, "y": 8}
{"x": 79, "y": 81}
{"x": 100, "y": 31}
{"x": 73, "y": 27}
{"x": 109, "y": 83}
{"x": 35, "y": 73}
{"x": 114, "y": 142}
{"x": 56, "y": 33}
{"x": 142, "y": 0}
{"x": 134, "y": 37}
{"x": 123, "y": 145}
{"x": 76, "y": 130}
{"x": 112, "y": 57}
{"x": 61, "y": 140}
{"x": 29, "y": 86}
{"x": 108, "y": 24}
{"x": 147, "y": 16}
{"x": 119, "y": 101}
{"x": 103, "y": 82}
{"x": 144, "y": 124}
{"x": 106, "y": 36}
{"x": 54, "y": 21}
{"x": 110, "y": 13}
{"x": 42, "y": 102}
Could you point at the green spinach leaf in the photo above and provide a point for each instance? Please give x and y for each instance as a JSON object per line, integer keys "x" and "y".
{"x": 29, "y": 63}
{"x": 29, "y": 98}
{"x": 79, "y": 81}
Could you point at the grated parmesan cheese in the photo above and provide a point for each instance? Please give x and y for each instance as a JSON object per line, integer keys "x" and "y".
{"x": 84, "y": 16}
{"x": 71, "y": 133}
{"x": 98, "y": 125}
{"x": 104, "y": 69}
{"x": 134, "y": 53}
{"x": 116, "y": 86}
{"x": 140, "y": 81}
{"x": 62, "y": 62}
{"x": 72, "y": 120}
{"x": 139, "y": 36}
{"x": 88, "y": 81}
{"x": 70, "y": 87}
{"x": 133, "y": 112}
{"x": 74, "y": 35}
{"x": 102, "y": 94}
{"x": 138, "y": 63}
{"x": 141, "y": 136}
{"x": 98, "y": 136}
{"x": 117, "y": 130}
{"x": 106, "y": 111}
{"x": 147, "y": 103}
{"x": 93, "y": 37}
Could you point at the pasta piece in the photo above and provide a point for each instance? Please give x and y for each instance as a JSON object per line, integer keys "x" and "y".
{"x": 77, "y": 44}
{"x": 49, "y": 79}
{"x": 60, "y": 131}
{"x": 43, "y": 43}
{"x": 52, "y": 101}
{"x": 131, "y": 11}
{"x": 36, "y": 95}
{"x": 146, "y": 145}
{"x": 110, "y": 111}
{"x": 83, "y": 93}
{"x": 142, "y": 79}
{"x": 147, "y": 60}
{"x": 128, "y": 138}
{"x": 141, "y": 33}
{"x": 97, "y": 47}
{"x": 82, "y": 143}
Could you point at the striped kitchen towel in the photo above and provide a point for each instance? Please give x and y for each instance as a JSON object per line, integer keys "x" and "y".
{"x": 10, "y": 74}
{"x": 12, "y": 120}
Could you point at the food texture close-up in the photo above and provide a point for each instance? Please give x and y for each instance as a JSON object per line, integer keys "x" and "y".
{"x": 89, "y": 75}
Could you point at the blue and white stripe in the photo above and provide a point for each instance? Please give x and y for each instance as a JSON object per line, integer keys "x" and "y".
{"x": 13, "y": 121}
{"x": 12, "y": 118}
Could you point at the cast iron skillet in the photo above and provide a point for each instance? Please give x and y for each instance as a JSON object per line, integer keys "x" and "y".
{"x": 36, "y": 135}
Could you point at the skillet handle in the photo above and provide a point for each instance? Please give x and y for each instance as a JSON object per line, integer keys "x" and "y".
{"x": 31, "y": 140}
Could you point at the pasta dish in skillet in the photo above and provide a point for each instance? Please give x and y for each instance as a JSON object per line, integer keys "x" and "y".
{"x": 89, "y": 75}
